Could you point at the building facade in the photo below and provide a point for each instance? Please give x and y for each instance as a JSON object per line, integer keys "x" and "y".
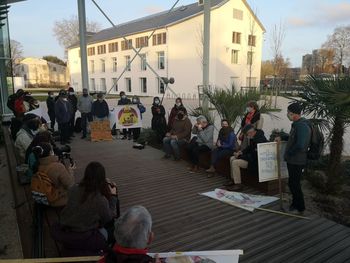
{"x": 39, "y": 72}
{"x": 320, "y": 61}
{"x": 174, "y": 50}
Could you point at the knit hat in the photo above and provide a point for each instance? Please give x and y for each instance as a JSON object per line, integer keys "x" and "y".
{"x": 294, "y": 108}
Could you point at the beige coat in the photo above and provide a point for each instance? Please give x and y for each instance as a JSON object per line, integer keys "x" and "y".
{"x": 61, "y": 177}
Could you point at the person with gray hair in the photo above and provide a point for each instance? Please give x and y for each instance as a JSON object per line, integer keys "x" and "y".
{"x": 202, "y": 142}
{"x": 133, "y": 233}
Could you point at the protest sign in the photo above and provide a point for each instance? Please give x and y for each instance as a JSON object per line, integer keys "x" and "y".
{"x": 41, "y": 113}
{"x": 220, "y": 256}
{"x": 267, "y": 160}
{"x": 126, "y": 117}
{"x": 241, "y": 200}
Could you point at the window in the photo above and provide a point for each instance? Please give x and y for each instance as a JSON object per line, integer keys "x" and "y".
{"x": 103, "y": 65}
{"x": 143, "y": 62}
{"x": 103, "y": 84}
{"x": 236, "y": 38}
{"x": 91, "y": 51}
{"x": 143, "y": 82}
{"x": 115, "y": 83}
{"x": 128, "y": 84}
{"x": 92, "y": 66}
{"x": 234, "y": 56}
{"x": 161, "y": 60}
{"x": 141, "y": 42}
{"x": 251, "y": 40}
{"x": 161, "y": 88}
{"x": 92, "y": 84}
{"x": 250, "y": 58}
{"x": 237, "y": 14}
{"x": 159, "y": 39}
{"x": 127, "y": 44}
{"x": 114, "y": 64}
{"x": 101, "y": 49}
{"x": 234, "y": 83}
{"x": 127, "y": 63}
{"x": 113, "y": 47}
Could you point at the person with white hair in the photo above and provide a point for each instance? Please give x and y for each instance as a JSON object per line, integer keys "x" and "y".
{"x": 133, "y": 234}
{"x": 202, "y": 142}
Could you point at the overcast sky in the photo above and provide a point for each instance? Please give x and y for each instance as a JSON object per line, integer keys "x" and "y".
{"x": 307, "y": 22}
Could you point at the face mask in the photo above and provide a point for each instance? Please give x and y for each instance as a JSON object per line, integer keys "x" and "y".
{"x": 134, "y": 101}
{"x": 51, "y": 96}
{"x": 249, "y": 109}
{"x": 71, "y": 93}
{"x": 124, "y": 97}
{"x": 178, "y": 104}
{"x": 156, "y": 101}
{"x": 35, "y": 132}
{"x": 100, "y": 100}
{"x": 65, "y": 99}
{"x": 180, "y": 116}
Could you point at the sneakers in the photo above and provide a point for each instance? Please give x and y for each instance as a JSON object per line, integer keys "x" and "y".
{"x": 211, "y": 170}
{"x": 194, "y": 169}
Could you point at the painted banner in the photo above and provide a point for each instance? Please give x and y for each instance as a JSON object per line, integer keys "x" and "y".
{"x": 241, "y": 200}
{"x": 219, "y": 256}
{"x": 41, "y": 112}
{"x": 125, "y": 117}
{"x": 267, "y": 159}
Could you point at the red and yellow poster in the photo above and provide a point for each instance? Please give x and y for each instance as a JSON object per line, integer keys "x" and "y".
{"x": 128, "y": 116}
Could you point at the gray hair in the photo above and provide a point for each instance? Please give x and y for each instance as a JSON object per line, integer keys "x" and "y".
{"x": 133, "y": 228}
{"x": 201, "y": 118}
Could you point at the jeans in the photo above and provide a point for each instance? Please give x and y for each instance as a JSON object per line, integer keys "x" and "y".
{"x": 295, "y": 172}
{"x": 172, "y": 146}
{"x": 219, "y": 153}
{"x": 194, "y": 150}
{"x": 85, "y": 118}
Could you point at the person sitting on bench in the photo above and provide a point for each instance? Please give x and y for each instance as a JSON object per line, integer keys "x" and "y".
{"x": 248, "y": 158}
{"x": 133, "y": 236}
{"x": 226, "y": 144}
{"x": 202, "y": 142}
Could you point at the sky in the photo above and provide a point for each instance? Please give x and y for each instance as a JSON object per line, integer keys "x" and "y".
{"x": 307, "y": 23}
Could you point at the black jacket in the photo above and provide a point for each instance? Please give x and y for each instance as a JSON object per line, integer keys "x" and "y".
{"x": 74, "y": 102}
{"x": 100, "y": 109}
{"x": 50, "y": 103}
{"x": 124, "y": 101}
{"x": 256, "y": 117}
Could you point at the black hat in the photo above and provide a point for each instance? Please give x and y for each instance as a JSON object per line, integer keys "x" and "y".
{"x": 294, "y": 108}
{"x": 29, "y": 116}
{"x": 62, "y": 92}
{"x": 247, "y": 128}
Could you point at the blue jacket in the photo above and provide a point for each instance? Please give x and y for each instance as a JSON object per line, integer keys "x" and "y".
{"x": 229, "y": 142}
{"x": 100, "y": 109}
{"x": 63, "y": 111}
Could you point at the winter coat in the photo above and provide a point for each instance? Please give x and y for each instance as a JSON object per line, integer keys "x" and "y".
{"x": 85, "y": 104}
{"x": 125, "y": 101}
{"x": 23, "y": 139}
{"x": 229, "y": 142}
{"x": 74, "y": 102}
{"x": 158, "y": 117}
{"x": 182, "y": 128}
{"x": 298, "y": 142}
{"x": 204, "y": 136}
{"x": 173, "y": 113}
{"x": 100, "y": 109}
{"x": 61, "y": 177}
{"x": 63, "y": 111}
{"x": 50, "y": 103}
{"x": 256, "y": 121}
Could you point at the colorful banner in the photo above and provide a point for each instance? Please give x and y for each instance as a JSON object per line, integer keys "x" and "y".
{"x": 125, "y": 117}
{"x": 219, "y": 256}
{"x": 241, "y": 200}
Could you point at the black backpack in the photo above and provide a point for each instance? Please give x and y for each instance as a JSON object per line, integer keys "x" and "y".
{"x": 11, "y": 102}
{"x": 316, "y": 142}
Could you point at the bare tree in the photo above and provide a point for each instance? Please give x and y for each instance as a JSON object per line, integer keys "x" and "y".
{"x": 339, "y": 41}
{"x": 66, "y": 31}
{"x": 16, "y": 56}
{"x": 251, "y": 41}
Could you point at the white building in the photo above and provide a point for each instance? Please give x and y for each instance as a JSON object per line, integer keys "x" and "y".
{"x": 175, "y": 50}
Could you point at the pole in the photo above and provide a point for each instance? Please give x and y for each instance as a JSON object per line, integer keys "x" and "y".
{"x": 278, "y": 145}
{"x": 82, "y": 38}
{"x": 206, "y": 50}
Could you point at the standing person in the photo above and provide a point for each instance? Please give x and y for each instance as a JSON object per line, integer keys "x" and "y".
{"x": 252, "y": 117}
{"x": 100, "y": 109}
{"x": 136, "y": 131}
{"x": 173, "y": 113}
{"x": 50, "y": 103}
{"x": 73, "y": 100}
{"x": 63, "y": 113}
{"x": 225, "y": 145}
{"x": 125, "y": 101}
{"x": 179, "y": 135}
{"x": 203, "y": 141}
{"x": 296, "y": 155}
{"x": 84, "y": 106}
{"x": 158, "y": 119}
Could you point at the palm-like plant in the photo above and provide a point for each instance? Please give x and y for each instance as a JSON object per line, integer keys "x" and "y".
{"x": 329, "y": 99}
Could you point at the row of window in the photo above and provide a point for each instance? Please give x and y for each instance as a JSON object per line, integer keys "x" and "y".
{"x": 143, "y": 63}
{"x": 236, "y": 39}
{"x": 128, "y": 85}
{"x": 157, "y": 39}
{"x": 235, "y": 57}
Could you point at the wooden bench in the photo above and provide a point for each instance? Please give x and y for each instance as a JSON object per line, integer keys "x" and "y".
{"x": 223, "y": 168}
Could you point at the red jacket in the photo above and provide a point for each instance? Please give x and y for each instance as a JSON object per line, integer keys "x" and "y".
{"x": 126, "y": 255}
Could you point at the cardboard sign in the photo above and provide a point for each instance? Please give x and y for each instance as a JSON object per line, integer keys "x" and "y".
{"x": 267, "y": 159}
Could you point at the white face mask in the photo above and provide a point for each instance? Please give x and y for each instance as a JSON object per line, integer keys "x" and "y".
{"x": 123, "y": 97}
{"x": 71, "y": 93}
{"x": 178, "y": 104}
{"x": 65, "y": 99}
{"x": 249, "y": 109}
{"x": 35, "y": 132}
{"x": 156, "y": 101}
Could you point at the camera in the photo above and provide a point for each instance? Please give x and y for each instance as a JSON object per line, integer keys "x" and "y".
{"x": 63, "y": 154}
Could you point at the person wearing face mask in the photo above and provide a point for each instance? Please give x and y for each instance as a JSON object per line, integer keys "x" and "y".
{"x": 84, "y": 106}
{"x": 226, "y": 144}
{"x": 253, "y": 117}
{"x": 173, "y": 113}
{"x": 60, "y": 174}
{"x": 63, "y": 113}
{"x": 158, "y": 119}
{"x": 125, "y": 101}
{"x": 136, "y": 131}
{"x": 100, "y": 109}
{"x": 73, "y": 100}
{"x": 179, "y": 135}
{"x": 247, "y": 158}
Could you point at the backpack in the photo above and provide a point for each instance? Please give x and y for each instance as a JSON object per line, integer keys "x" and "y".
{"x": 316, "y": 142}
{"x": 43, "y": 189}
{"x": 11, "y": 102}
